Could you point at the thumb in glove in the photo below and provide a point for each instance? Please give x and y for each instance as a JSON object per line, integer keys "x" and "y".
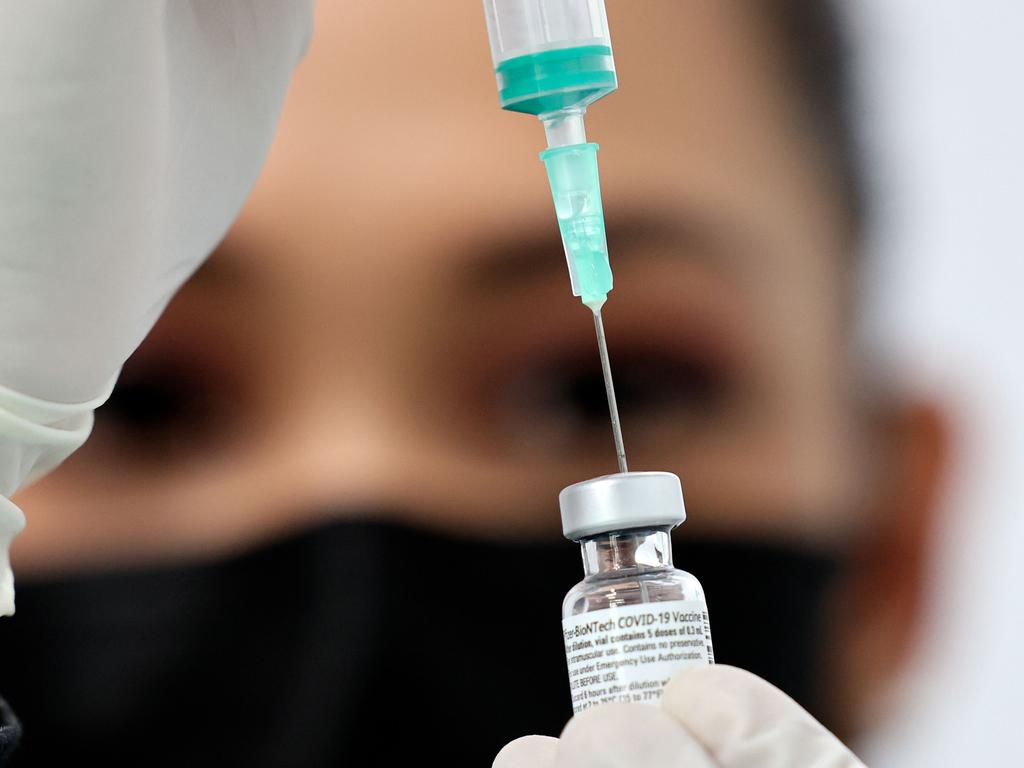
{"x": 710, "y": 717}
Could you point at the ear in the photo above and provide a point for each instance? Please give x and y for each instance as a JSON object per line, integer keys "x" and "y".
{"x": 881, "y": 604}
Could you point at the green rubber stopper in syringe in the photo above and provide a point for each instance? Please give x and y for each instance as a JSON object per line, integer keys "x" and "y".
{"x": 576, "y": 189}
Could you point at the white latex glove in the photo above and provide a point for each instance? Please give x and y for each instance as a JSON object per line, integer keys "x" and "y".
{"x": 710, "y": 717}
{"x": 131, "y": 131}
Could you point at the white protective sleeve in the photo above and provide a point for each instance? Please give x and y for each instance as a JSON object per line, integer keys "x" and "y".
{"x": 710, "y": 717}
{"x": 131, "y": 131}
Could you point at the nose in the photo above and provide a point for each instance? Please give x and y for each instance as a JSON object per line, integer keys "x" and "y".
{"x": 362, "y": 448}
{"x": 342, "y": 449}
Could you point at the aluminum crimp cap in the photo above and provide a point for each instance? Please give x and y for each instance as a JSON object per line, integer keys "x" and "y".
{"x": 622, "y": 500}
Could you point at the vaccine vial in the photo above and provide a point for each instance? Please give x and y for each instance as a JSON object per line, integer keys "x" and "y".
{"x": 635, "y": 619}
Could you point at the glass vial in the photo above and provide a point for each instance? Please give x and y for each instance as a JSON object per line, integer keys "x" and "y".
{"x": 635, "y": 619}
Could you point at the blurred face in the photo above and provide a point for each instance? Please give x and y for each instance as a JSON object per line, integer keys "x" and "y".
{"x": 389, "y": 323}
{"x": 389, "y": 326}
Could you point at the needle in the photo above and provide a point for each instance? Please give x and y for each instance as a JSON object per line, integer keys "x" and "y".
{"x": 609, "y": 388}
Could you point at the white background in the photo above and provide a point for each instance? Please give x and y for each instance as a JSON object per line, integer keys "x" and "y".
{"x": 943, "y": 107}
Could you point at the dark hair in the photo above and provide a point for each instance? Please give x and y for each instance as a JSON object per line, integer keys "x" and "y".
{"x": 816, "y": 50}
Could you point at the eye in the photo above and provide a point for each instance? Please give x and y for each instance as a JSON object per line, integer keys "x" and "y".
{"x": 160, "y": 412}
{"x": 565, "y": 397}
{"x": 649, "y": 386}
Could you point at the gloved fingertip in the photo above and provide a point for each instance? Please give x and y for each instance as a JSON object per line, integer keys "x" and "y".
{"x": 742, "y": 720}
{"x": 713, "y": 695}
{"x": 528, "y": 752}
{"x": 628, "y": 735}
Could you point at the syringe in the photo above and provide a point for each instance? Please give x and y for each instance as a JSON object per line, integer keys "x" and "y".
{"x": 553, "y": 58}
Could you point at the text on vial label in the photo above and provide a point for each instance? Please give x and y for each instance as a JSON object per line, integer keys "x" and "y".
{"x": 628, "y": 653}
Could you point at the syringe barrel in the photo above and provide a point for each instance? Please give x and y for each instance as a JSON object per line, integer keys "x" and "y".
{"x": 550, "y": 55}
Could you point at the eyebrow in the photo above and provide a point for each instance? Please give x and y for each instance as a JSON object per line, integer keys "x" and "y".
{"x": 532, "y": 249}
{"x": 530, "y": 252}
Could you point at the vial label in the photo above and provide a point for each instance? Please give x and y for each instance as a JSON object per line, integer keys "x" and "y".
{"x": 628, "y": 653}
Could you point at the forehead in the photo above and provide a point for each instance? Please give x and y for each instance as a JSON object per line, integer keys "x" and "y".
{"x": 392, "y": 137}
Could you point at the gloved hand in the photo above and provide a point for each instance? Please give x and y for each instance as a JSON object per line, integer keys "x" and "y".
{"x": 710, "y": 717}
{"x": 130, "y": 135}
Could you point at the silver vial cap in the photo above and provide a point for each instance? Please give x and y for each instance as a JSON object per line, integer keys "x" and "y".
{"x": 622, "y": 500}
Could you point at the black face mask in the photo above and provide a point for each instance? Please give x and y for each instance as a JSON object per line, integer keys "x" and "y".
{"x": 357, "y": 643}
